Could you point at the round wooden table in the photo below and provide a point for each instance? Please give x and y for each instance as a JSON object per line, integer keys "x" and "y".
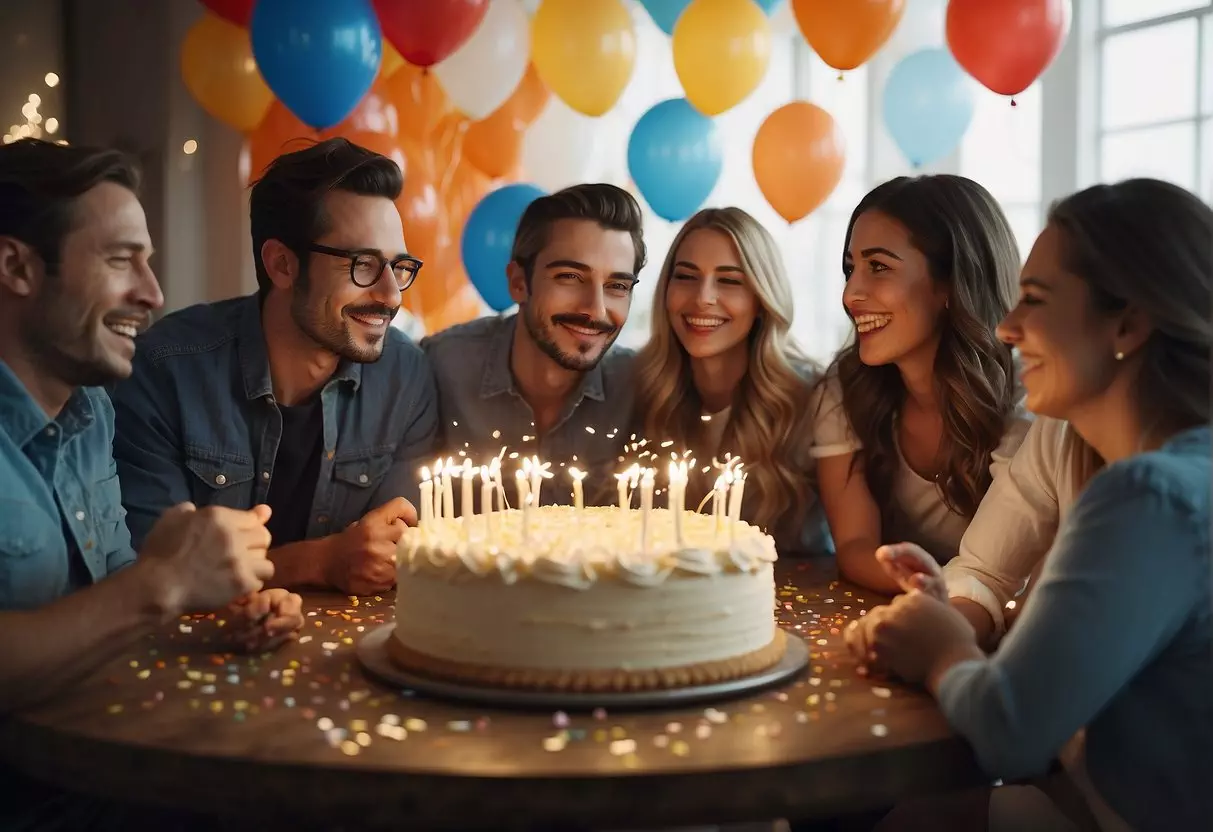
{"x": 303, "y": 734}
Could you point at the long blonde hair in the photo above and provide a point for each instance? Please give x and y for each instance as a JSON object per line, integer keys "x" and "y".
{"x": 768, "y": 424}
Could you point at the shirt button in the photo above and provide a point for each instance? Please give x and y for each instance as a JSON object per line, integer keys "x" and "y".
{"x": 79, "y": 515}
{"x": 50, "y": 431}
{"x": 265, "y": 475}
{"x": 363, "y": 478}
{"x": 220, "y": 479}
{"x": 323, "y": 518}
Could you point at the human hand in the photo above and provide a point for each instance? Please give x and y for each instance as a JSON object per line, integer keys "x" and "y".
{"x": 264, "y": 620}
{"x": 363, "y": 557}
{"x": 204, "y": 558}
{"x": 912, "y": 567}
{"x": 918, "y": 637}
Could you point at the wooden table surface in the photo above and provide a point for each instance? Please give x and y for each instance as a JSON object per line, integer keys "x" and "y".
{"x": 304, "y": 734}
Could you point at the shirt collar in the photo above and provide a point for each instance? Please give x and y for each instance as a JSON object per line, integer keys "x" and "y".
{"x": 498, "y": 378}
{"x": 255, "y": 363}
{"x": 22, "y": 418}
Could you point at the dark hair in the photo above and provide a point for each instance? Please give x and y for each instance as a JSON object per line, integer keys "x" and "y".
{"x": 970, "y": 249}
{"x": 287, "y": 201}
{"x": 40, "y": 182}
{"x": 1149, "y": 244}
{"x": 610, "y": 206}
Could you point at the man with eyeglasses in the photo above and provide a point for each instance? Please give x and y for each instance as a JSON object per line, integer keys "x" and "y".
{"x": 301, "y": 396}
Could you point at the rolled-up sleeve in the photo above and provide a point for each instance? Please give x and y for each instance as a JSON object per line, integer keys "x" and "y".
{"x": 1118, "y": 585}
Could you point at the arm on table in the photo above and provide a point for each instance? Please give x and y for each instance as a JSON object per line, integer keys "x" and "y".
{"x": 147, "y": 449}
{"x": 1111, "y": 597}
{"x": 47, "y": 649}
{"x": 854, "y": 523}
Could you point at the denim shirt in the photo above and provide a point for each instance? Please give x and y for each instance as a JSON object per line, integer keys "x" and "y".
{"x": 197, "y": 421}
{"x": 482, "y": 410}
{"x": 1116, "y": 638}
{"x": 63, "y": 524}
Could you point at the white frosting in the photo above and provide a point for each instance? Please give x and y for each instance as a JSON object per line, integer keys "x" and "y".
{"x": 578, "y": 594}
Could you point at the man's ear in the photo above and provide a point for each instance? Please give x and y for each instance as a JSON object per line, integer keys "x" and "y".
{"x": 21, "y": 269}
{"x": 281, "y": 264}
{"x": 516, "y": 276}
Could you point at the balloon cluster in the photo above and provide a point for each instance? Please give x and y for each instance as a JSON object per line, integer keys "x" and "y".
{"x": 467, "y": 94}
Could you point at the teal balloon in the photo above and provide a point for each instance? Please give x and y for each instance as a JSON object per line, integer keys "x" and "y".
{"x": 488, "y": 237}
{"x": 675, "y": 158}
{"x": 665, "y": 12}
{"x": 927, "y": 105}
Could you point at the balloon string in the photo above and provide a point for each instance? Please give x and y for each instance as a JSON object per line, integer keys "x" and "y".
{"x": 1013, "y": 104}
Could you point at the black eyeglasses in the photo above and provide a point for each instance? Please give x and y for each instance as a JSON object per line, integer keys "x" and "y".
{"x": 366, "y": 267}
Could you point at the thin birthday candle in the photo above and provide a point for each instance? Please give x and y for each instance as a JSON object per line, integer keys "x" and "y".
{"x": 718, "y": 495}
{"x": 467, "y": 475}
{"x": 735, "y": 502}
{"x": 524, "y": 499}
{"x": 448, "y": 491}
{"x": 487, "y": 486}
{"x": 427, "y": 497}
{"x": 436, "y": 509}
{"x": 646, "y": 507}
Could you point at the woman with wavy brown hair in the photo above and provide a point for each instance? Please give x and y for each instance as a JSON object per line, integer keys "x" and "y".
{"x": 721, "y": 375}
{"x": 915, "y": 415}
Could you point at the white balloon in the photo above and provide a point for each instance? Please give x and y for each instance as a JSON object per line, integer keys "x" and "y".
{"x": 562, "y": 147}
{"x": 480, "y": 75}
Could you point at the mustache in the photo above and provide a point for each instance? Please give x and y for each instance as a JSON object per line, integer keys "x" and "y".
{"x": 583, "y": 321}
{"x": 373, "y": 309}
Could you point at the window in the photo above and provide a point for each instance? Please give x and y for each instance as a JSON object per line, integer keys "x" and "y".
{"x": 1002, "y": 151}
{"x": 1156, "y": 91}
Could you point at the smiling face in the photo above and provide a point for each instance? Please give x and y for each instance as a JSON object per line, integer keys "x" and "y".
{"x": 890, "y": 294}
{"x": 710, "y": 301}
{"x": 326, "y": 304}
{"x": 1067, "y": 347}
{"x": 577, "y": 298}
{"x": 90, "y": 306}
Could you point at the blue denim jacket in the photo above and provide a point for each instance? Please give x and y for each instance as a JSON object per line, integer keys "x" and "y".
{"x": 197, "y": 421}
{"x": 61, "y": 519}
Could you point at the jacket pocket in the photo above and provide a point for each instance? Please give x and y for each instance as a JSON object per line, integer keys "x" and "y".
{"x": 362, "y": 472}
{"x": 219, "y": 480}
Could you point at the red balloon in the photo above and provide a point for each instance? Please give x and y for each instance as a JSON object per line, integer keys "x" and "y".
{"x": 1007, "y": 44}
{"x": 237, "y": 11}
{"x": 425, "y": 32}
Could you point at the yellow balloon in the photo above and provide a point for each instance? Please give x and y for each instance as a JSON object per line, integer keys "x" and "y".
{"x": 721, "y": 51}
{"x": 584, "y": 51}
{"x": 219, "y": 71}
{"x": 391, "y": 61}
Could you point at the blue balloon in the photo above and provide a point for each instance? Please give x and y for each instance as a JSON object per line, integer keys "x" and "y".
{"x": 928, "y": 105}
{"x": 665, "y": 12}
{"x": 318, "y": 56}
{"x": 675, "y": 158}
{"x": 488, "y": 236}
{"x": 768, "y": 6}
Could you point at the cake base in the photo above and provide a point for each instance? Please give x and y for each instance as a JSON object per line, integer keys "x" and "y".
{"x": 375, "y": 653}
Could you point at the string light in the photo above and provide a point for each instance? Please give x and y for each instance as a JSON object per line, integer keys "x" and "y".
{"x": 33, "y": 126}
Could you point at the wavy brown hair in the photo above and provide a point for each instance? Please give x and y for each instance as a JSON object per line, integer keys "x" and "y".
{"x": 767, "y": 423}
{"x": 971, "y": 252}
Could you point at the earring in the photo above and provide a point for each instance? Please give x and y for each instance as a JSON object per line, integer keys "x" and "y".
{"x": 1120, "y": 356}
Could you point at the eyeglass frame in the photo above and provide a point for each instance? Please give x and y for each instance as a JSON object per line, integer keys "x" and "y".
{"x": 413, "y": 266}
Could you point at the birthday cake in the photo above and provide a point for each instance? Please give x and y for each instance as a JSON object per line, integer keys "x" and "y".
{"x": 595, "y": 599}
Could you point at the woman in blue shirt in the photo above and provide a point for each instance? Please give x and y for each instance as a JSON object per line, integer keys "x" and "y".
{"x": 1110, "y": 666}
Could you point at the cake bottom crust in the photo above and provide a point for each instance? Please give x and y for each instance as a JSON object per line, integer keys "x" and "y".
{"x": 591, "y": 681}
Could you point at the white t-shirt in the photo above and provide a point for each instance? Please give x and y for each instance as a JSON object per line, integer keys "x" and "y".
{"x": 919, "y": 513}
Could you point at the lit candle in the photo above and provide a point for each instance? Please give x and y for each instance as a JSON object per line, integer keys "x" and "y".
{"x": 486, "y": 502}
{"x": 436, "y": 509}
{"x": 718, "y": 495}
{"x": 522, "y": 481}
{"x": 625, "y": 499}
{"x": 498, "y": 485}
{"x": 677, "y": 497}
{"x": 448, "y": 491}
{"x": 578, "y": 475}
{"x": 536, "y": 478}
{"x": 427, "y": 497}
{"x": 735, "y": 501}
{"x": 467, "y": 476}
{"x": 646, "y": 506}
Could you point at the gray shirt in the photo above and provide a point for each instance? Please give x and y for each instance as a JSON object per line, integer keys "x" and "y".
{"x": 481, "y": 410}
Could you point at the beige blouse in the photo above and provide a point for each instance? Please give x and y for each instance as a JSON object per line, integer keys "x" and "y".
{"x": 919, "y": 513}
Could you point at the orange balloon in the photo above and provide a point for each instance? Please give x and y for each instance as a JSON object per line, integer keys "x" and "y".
{"x": 420, "y": 101}
{"x": 532, "y": 95}
{"x": 375, "y": 113}
{"x": 391, "y": 61}
{"x": 279, "y": 132}
{"x": 1007, "y": 44}
{"x": 218, "y": 69}
{"x": 799, "y": 155}
{"x": 494, "y": 144}
{"x": 845, "y": 33}
{"x": 423, "y": 215}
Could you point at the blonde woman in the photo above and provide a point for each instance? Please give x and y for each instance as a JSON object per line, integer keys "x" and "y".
{"x": 721, "y": 375}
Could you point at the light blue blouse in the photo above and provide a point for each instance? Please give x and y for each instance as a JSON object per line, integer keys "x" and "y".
{"x": 1116, "y": 639}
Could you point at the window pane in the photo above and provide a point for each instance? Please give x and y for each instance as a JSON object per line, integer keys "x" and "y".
{"x": 847, "y": 101}
{"x": 1001, "y": 148}
{"x": 1120, "y": 12}
{"x": 1161, "y": 152}
{"x": 1206, "y": 161}
{"x": 1149, "y": 75}
{"x": 1025, "y": 222}
{"x": 1207, "y": 70}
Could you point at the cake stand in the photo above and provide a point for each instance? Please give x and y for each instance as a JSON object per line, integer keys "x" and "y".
{"x": 372, "y": 653}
